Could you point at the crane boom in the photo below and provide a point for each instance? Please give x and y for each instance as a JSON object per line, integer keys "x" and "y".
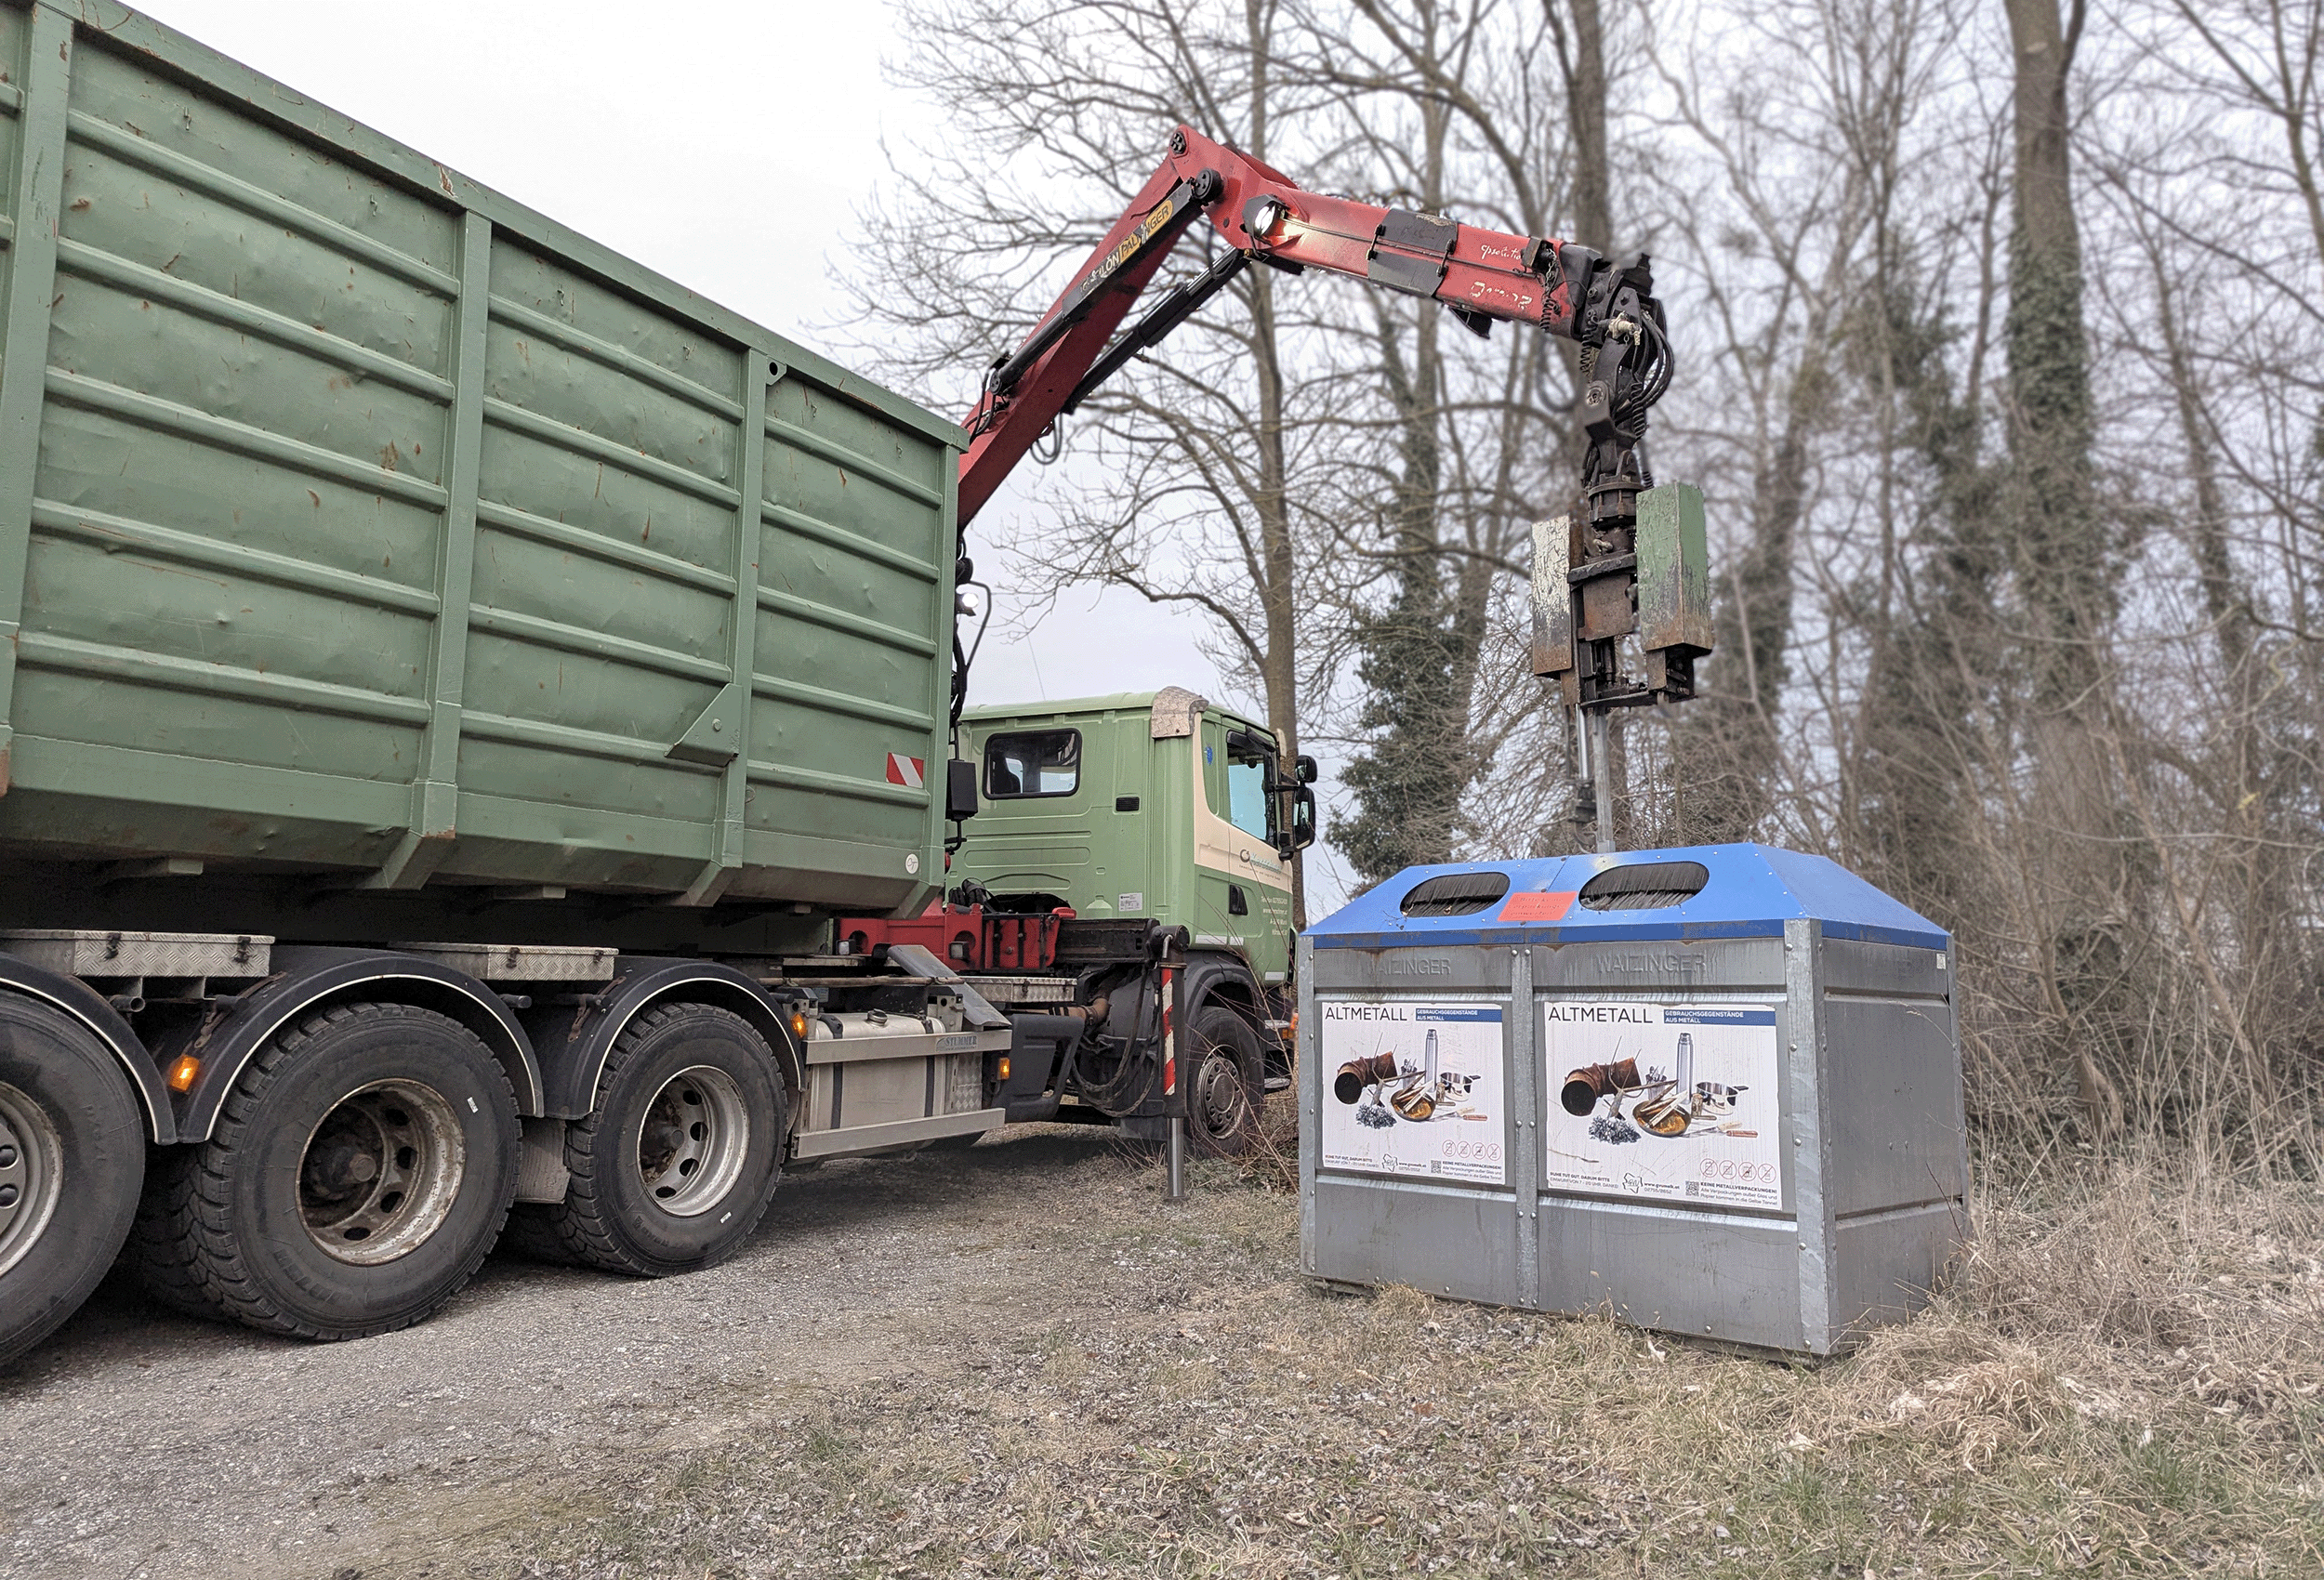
{"x": 1481, "y": 276}
{"x": 1626, "y": 561}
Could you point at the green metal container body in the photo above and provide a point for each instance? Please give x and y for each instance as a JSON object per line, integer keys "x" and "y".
{"x": 355, "y": 520}
{"x": 1147, "y": 830}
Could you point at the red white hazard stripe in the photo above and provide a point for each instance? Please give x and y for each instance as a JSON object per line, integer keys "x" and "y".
{"x": 910, "y": 772}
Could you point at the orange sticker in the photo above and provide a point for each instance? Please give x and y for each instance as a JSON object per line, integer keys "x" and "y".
{"x": 1532, "y": 905}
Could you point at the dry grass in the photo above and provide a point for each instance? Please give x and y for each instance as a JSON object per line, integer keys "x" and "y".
{"x": 2124, "y": 1382}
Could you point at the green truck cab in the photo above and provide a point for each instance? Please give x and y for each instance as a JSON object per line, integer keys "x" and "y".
{"x": 1144, "y": 805}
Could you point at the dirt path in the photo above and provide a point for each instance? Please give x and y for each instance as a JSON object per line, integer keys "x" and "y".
{"x": 1019, "y": 1360}
{"x": 139, "y": 1443}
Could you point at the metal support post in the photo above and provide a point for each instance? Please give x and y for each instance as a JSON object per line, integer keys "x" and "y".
{"x": 1597, "y": 725}
{"x": 1174, "y": 1145}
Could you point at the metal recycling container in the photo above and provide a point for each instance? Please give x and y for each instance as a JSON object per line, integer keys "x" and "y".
{"x": 1712, "y": 1091}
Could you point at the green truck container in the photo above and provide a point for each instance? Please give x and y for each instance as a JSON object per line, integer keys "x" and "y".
{"x": 355, "y": 520}
{"x": 455, "y": 681}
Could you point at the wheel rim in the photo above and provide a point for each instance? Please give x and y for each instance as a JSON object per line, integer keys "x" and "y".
{"x": 381, "y": 1172}
{"x": 31, "y": 1174}
{"x": 1219, "y": 1099}
{"x": 696, "y": 1137}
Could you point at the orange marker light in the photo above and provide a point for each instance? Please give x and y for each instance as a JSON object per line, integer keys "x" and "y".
{"x": 1004, "y": 1067}
{"x": 182, "y": 1074}
{"x": 799, "y": 1027}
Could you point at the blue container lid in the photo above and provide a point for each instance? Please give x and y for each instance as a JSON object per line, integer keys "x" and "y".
{"x": 1747, "y": 891}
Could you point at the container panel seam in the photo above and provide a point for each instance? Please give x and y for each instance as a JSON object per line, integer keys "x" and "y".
{"x": 619, "y": 359}
{"x": 840, "y": 455}
{"x": 117, "y": 533}
{"x": 224, "y": 433}
{"x": 854, "y": 542}
{"x": 581, "y": 540}
{"x": 594, "y": 644}
{"x": 839, "y": 620}
{"x": 42, "y": 651}
{"x": 580, "y": 442}
{"x": 260, "y": 204}
{"x": 94, "y": 263}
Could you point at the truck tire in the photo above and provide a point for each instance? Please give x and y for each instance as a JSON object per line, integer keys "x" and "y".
{"x": 361, "y": 1168}
{"x": 71, "y": 1162}
{"x": 160, "y": 1254}
{"x": 677, "y": 1165}
{"x": 1226, "y": 1082}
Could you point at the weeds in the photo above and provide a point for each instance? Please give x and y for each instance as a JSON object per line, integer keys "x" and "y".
{"x": 2127, "y": 1379}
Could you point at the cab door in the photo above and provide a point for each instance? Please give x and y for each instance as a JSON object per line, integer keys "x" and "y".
{"x": 1129, "y": 818}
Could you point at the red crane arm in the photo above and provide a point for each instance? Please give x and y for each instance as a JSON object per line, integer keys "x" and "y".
{"x": 1482, "y": 275}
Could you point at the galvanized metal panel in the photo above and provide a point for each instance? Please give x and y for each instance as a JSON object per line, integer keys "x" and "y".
{"x": 1886, "y": 971}
{"x": 1896, "y": 1063}
{"x": 1439, "y": 1238}
{"x": 1715, "y": 1275}
{"x": 1422, "y": 968}
{"x": 1751, "y": 964}
{"x": 1887, "y": 1263}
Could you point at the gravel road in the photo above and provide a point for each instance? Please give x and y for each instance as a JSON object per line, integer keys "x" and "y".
{"x": 139, "y": 1443}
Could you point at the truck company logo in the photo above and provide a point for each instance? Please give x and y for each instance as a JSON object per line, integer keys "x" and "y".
{"x": 1137, "y": 238}
{"x": 910, "y": 772}
{"x": 1420, "y": 966}
{"x": 959, "y": 1043}
{"x": 1651, "y": 960}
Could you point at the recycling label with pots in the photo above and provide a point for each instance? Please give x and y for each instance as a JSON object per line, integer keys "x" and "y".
{"x": 1662, "y": 1101}
{"x": 1413, "y": 1090}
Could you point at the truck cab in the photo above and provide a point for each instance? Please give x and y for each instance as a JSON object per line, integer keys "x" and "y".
{"x": 1143, "y": 805}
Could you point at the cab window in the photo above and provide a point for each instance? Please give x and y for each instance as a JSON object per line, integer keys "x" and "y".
{"x": 1247, "y": 798}
{"x": 1234, "y": 779}
{"x": 1046, "y": 762}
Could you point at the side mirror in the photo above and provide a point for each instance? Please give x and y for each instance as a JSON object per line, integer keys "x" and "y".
{"x": 960, "y": 789}
{"x": 1303, "y": 768}
{"x": 1304, "y": 814}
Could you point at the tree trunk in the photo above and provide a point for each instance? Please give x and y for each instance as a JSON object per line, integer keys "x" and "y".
{"x": 1279, "y": 672}
{"x": 2063, "y": 568}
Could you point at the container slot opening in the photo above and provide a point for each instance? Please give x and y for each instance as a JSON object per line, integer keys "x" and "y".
{"x": 1645, "y": 885}
{"x": 1453, "y": 894}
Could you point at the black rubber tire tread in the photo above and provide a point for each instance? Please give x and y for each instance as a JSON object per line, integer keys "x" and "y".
{"x": 160, "y": 1250}
{"x": 219, "y": 1260}
{"x": 1219, "y": 1025}
{"x": 532, "y": 1233}
{"x": 79, "y": 1083}
{"x": 584, "y": 1223}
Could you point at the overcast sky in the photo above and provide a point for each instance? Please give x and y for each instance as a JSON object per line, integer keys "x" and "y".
{"x": 724, "y": 143}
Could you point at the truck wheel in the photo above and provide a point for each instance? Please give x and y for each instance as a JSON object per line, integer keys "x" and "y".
{"x": 71, "y": 1161}
{"x": 677, "y": 1166}
{"x": 360, "y": 1169}
{"x": 160, "y": 1254}
{"x": 1227, "y": 1080}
